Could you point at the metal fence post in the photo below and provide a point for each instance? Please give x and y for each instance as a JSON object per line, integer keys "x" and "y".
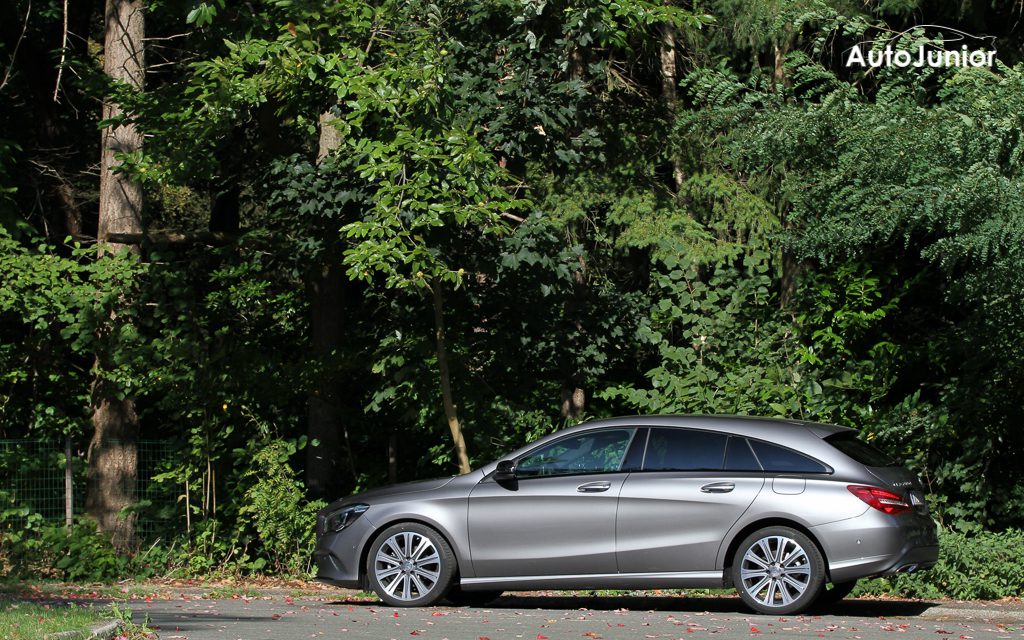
{"x": 69, "y": 487}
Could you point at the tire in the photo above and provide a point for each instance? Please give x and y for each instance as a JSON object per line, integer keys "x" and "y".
{"x": 410, "y": 565}
{"x": 461, "y": 598}
{"x": 778, "y": 571}
{"x": 835, "y": 593}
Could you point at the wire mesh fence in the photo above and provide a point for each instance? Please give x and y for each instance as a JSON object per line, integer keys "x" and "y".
{"x": 35, "y": 477}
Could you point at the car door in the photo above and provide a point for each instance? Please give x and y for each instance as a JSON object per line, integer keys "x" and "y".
{"x": 693, "y": 486}
{"x": 558, "y": 516}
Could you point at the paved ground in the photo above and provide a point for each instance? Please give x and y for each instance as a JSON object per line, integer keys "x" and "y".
{"x": 528, "y": 617}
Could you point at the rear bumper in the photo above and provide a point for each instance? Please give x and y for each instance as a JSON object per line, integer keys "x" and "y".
{"x": 914, "y": 559}
{"x": 877, "y": 544}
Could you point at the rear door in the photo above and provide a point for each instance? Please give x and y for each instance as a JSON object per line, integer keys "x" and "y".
{"x": 694, "y": 485}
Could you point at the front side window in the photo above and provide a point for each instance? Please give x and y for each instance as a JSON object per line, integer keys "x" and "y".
{"x": 591, "y": 452}
{"x": 684, "y": 450}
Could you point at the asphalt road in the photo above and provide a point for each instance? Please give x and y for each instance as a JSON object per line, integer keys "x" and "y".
{"x": 529, "y": 617}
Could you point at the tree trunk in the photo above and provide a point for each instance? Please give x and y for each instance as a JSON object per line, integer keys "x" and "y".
{"x": 323, "y": 460}
{"x": 791, "y": 267}
{"x": 327, "y": 300}
{"x": 113, "y": 462}
{"x": 121, "y": 196}
{"x": 446, "y": 380}
{"x": 669, "y": 81}
{"x": 113, "y": 450}
{"x": 574, "y": 398}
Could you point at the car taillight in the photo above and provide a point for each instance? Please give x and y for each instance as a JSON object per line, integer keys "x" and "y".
{"x": 885, "y": 501}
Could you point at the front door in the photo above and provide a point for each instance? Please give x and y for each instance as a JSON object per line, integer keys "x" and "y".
{"x": 558, "y": 517}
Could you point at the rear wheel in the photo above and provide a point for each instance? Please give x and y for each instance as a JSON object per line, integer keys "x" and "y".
{"x": 778, "y": 570}
{"x": 410, "y": 565}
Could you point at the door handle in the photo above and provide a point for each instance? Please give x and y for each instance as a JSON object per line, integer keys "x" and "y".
{"x": 594, "y": 487}
{"x": 718, "y": 487}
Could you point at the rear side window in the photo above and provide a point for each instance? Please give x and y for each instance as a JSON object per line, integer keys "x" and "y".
{"x": 739, "y": 457}
{"x": 684, "y": 450}
{"x": 862, "y": 452}
{"x": 635, "y": 455}
{"x": 776, "y": 459}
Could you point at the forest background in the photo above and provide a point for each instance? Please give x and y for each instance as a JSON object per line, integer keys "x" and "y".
{"x": 310, "y": 247}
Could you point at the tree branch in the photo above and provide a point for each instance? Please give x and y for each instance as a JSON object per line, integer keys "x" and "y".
{"x": 14, "y": 54}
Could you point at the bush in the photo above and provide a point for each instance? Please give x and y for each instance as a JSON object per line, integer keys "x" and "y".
{"x": 982, "y": 566}
{"x": 275, "y": 508}
{"x": 47, "y": 550}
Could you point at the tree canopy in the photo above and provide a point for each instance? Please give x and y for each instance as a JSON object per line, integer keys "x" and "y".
{"x": 400, "y": 237}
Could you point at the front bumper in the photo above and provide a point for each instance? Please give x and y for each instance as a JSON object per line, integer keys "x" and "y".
{"x": 337, "y": 554}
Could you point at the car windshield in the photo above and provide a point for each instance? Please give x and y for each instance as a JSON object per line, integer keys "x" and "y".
{"x": 862, "y": 452}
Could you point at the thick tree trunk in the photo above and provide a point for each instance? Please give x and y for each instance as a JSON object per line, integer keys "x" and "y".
{"x": 113, "y": 462}
{"x": 121, "y": 196}
{"x": 327, "y": 300}
{"x": 113, "y": 450}
{"x": 446, "y": 381}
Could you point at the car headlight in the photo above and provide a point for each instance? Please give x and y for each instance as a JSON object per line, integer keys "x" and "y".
{"x": 345, "y": 516}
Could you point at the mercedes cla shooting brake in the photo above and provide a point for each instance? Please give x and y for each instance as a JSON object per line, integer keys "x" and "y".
{"x": 787, "y": 513}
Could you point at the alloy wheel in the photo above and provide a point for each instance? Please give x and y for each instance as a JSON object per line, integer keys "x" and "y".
{"x": 778, "y": 570}
{"x": 407, "y": 566}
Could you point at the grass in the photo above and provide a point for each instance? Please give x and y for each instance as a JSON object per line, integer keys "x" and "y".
{"x": 31, "y": 621}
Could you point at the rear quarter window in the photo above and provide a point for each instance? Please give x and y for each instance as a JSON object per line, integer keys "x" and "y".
{"x": 776, "y": 459}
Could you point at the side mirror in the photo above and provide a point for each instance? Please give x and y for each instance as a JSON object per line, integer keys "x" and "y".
{"x": 506, "y": 471}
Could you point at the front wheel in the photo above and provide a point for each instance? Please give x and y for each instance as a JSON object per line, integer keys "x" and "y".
{"x": 778, "y": 570}
{"x": 410, "y": 565}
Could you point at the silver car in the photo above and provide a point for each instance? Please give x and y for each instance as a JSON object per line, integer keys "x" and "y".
{"x": 786, "y": 512}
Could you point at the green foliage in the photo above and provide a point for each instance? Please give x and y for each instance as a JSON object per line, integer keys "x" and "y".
{"x": 985, "y": 566}
{"x": 788, "y": 237}
{"x": 45, "y": 549}
{"x": 64, "y": 309}
{"x": 275, "y": 509}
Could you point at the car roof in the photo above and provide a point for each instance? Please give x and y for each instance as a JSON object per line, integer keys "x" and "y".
{"x": 741, "y": 425}
{"x": 800, "y": 434}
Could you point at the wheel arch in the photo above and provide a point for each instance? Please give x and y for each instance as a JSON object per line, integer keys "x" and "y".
{"x": 750, "y": 528}
{"x": 364, "y": 553}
